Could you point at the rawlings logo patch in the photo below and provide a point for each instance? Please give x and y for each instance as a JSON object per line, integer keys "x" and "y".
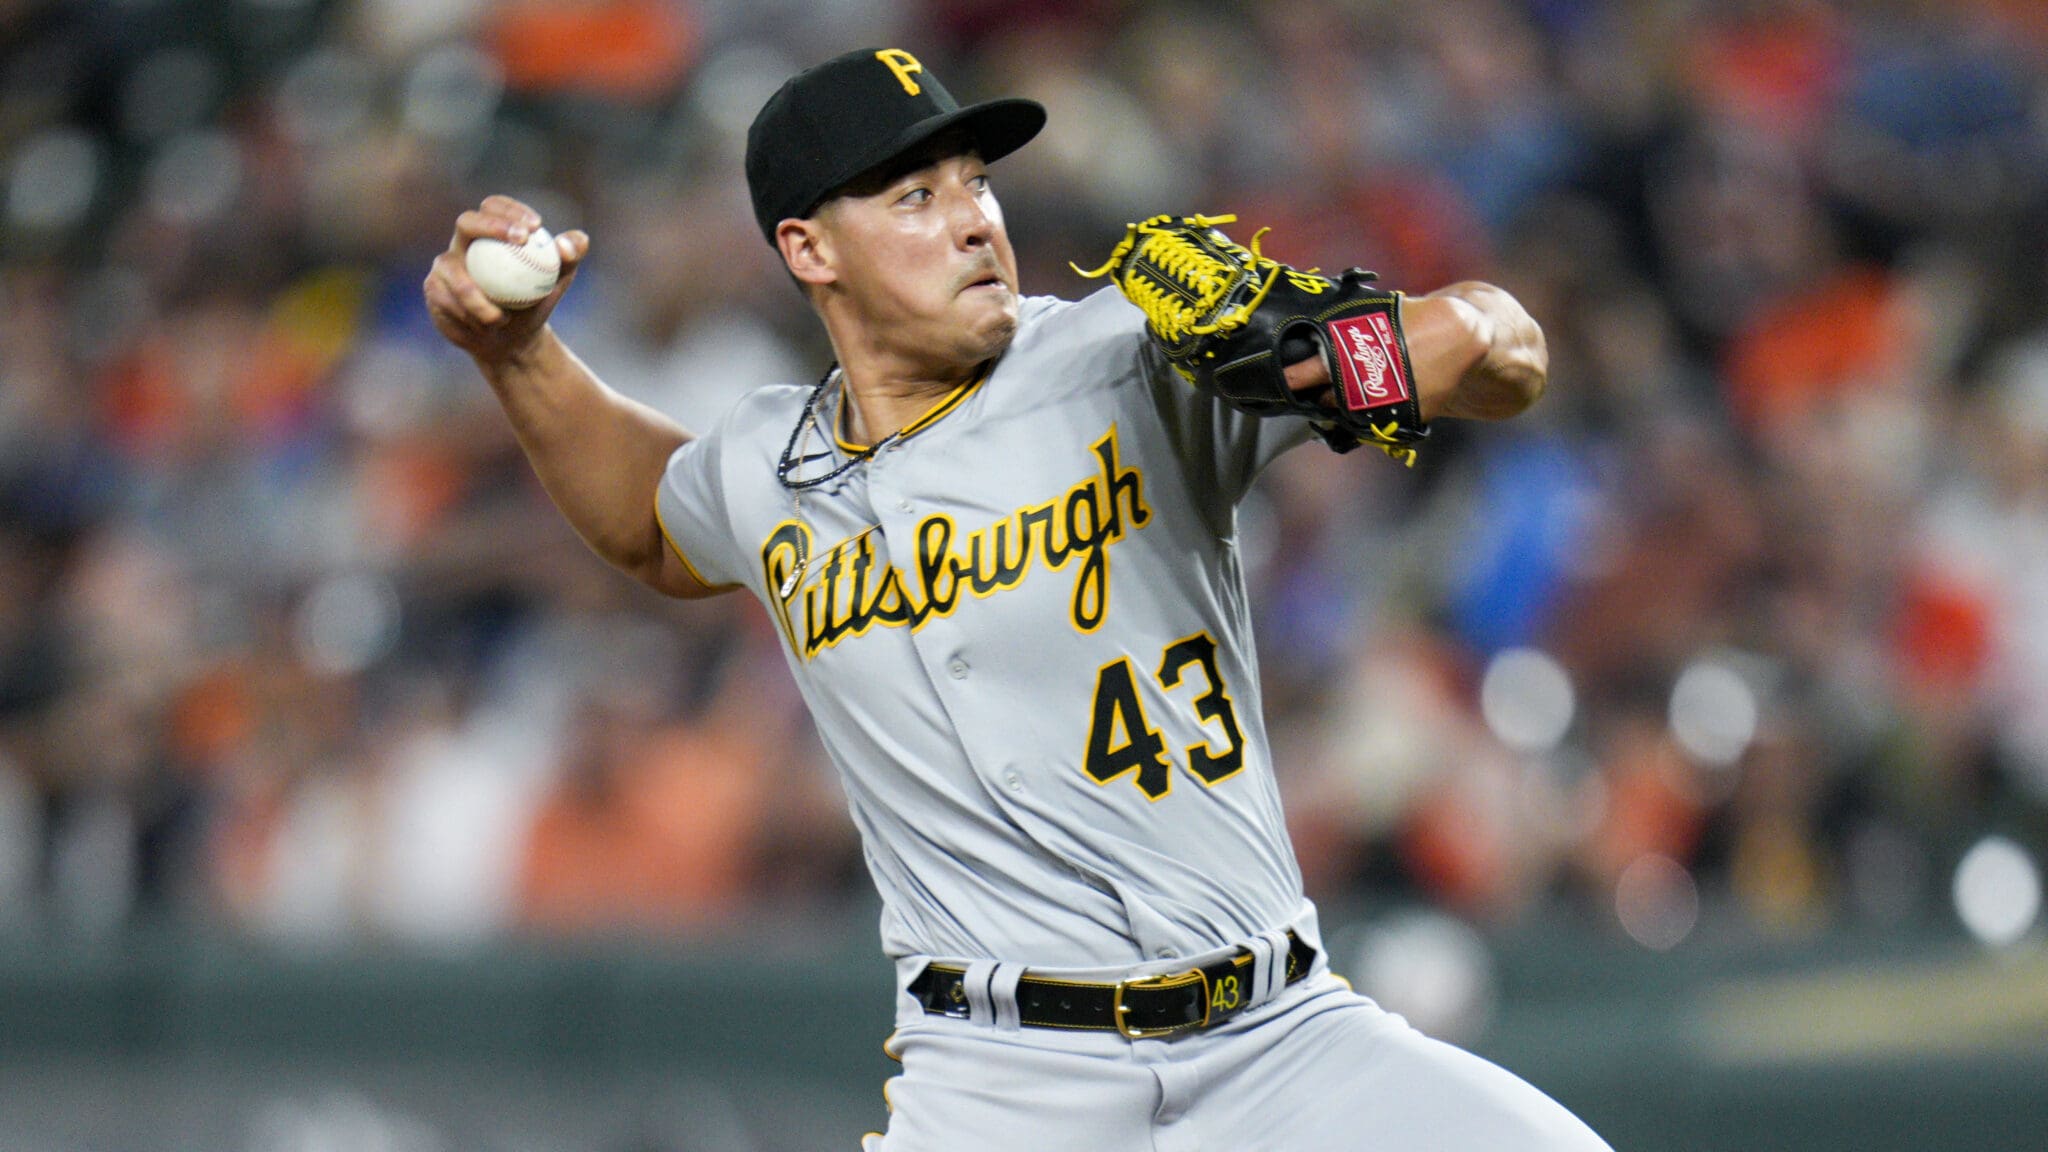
{"x": 1369, "y": 359}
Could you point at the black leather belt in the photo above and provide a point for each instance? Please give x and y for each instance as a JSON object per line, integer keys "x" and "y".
{"x": 1140, "y": 1009}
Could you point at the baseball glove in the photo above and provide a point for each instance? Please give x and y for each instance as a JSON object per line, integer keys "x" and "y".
{"x": 1228, "y": 317}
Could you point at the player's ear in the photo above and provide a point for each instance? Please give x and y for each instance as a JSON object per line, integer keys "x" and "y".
{"x": 806, "y": 250}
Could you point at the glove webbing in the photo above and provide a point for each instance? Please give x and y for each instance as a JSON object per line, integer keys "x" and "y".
{"x": 1205, "y": 279}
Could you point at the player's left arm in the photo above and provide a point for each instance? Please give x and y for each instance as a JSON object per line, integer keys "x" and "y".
{"x": 1475, "y": 352}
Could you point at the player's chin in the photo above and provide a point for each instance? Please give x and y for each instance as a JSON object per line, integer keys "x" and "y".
{"x": 990, "y": 318}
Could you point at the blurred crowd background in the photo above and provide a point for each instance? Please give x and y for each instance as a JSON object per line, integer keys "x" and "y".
{"x": 1741, "y": 633}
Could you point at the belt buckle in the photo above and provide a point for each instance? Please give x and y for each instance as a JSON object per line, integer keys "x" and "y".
{"x": 1153, "y": 983}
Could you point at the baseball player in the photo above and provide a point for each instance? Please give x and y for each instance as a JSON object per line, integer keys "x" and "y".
{"x": 998, "y": 539}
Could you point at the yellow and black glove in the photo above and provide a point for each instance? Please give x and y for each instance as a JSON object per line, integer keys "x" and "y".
{"x": 1223, "y": 313}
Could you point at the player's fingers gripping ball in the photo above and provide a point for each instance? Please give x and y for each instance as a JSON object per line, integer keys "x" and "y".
{"x": 515, "y": 275}
{"x": 1221, "y": 311}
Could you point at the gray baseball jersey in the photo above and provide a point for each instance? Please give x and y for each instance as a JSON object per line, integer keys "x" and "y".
{"x": 1022, "y": 630}
{"x": 1023, "y": 634}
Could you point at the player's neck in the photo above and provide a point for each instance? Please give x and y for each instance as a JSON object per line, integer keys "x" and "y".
{"x": 881, "y": 402}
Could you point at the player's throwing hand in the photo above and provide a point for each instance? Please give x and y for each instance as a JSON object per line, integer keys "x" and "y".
{"x": 459, "y": 308}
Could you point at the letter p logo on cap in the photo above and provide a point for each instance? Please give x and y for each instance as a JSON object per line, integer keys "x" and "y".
{"x": 902, "y": 64}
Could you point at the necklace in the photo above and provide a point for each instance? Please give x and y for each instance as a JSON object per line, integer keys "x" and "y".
{"x": 793, "y": 458}
{"x": 799, "y": 437}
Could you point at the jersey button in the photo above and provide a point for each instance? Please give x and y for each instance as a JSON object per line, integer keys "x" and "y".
{"x": 903, "y": 505}
{"x": 1015, "y": 781}
{"x": 958, "y": 668}
{"x": 1167, "y": 954}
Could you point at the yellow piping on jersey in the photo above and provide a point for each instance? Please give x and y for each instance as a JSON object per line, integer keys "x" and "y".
{"x": 932, "y": 415}
{"x": 680, "y": 555}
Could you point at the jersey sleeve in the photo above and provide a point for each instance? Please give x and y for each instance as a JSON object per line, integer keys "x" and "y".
{"x": 690, "y": 504}
{"x": 1222, "y": 449}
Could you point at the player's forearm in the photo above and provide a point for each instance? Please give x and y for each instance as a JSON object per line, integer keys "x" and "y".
{"x": 600, "y": 455}
{"x": 1480, "y": 348}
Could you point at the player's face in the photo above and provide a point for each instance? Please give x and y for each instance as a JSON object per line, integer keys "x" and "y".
{"x": 925, "y": 263}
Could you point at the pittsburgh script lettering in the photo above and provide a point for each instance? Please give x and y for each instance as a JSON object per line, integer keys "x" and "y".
{"x": 848, "y": 592}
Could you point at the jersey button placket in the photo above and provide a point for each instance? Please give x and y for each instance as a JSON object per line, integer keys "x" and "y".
{"x": 886, "y": 500}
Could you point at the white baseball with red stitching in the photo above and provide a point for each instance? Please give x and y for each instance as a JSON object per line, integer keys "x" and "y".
{"x": 515, "y": 275}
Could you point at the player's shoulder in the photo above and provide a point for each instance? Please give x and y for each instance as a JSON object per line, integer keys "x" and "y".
{"x": 1086, "y": 343}
{"x": 748, "y": 439}
{"x": 759, "y": 416}
{"x": 1101, "y": 315}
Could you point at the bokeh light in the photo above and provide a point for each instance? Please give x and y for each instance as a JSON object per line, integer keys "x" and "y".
{"x": 347, "y": 622}
{"x": 1657, "y": 902}
{"x": 1713, "y": 713}
{"x": 1527, "y": 700}
{"x": 1432, "y": 969}
{"x": 326, "y": 96}
{"x": 1997, "y": 891}
{"x": 451, "y": 93}
{"x": 196, "y": 177}
{"x": 53, "y": 179}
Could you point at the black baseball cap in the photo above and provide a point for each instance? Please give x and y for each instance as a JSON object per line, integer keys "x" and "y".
{"x": 831, "y": 124}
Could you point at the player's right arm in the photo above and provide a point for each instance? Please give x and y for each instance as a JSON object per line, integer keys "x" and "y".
{"x": 600, "y": 455}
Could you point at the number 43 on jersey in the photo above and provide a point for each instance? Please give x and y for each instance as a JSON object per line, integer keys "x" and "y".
{"x": 1122, "y": 741}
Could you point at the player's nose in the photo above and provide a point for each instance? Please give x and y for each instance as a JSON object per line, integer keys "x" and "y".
{"x": 973, "y": 225}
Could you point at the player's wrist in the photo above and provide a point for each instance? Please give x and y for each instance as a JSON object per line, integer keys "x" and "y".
{"x": 513, "y": 358}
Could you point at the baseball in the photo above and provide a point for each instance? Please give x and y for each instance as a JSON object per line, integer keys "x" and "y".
{"x": 515, "y": 275}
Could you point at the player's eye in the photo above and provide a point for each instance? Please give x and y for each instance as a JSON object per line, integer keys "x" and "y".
{"x": 914, "y": 197}
{"x": 979, "y": 182}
